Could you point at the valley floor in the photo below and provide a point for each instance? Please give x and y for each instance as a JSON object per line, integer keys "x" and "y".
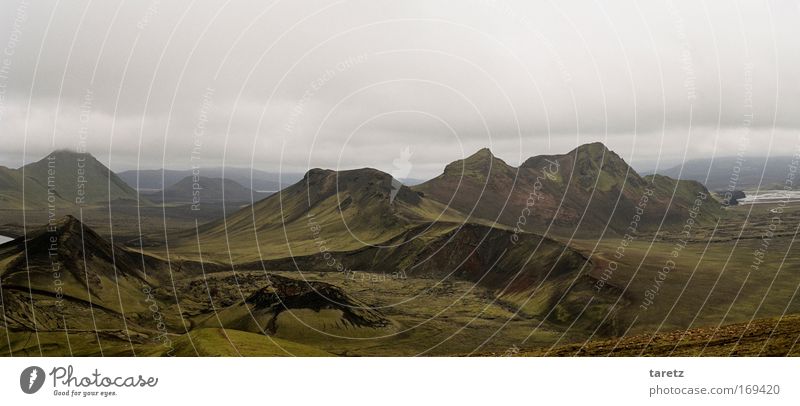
{"x": 712, "y": 302}
{"x": 775, "y": 337}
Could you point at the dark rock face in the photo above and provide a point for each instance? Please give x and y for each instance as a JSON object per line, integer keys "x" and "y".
{"x": 286, "y": 294}
{"x": 731, "y": 198}
{"x": 78, "y": 249}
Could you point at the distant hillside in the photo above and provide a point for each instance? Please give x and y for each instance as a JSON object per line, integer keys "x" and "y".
{"x": 63, "y": 178}
{"x": 211, "y": 190}
{"x": 157, "y": 179}
{"x": 718, "y": 174}
{"x": 583, "y": 192}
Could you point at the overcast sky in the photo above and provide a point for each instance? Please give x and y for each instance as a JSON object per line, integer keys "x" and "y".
{"x": 296, "y": 84}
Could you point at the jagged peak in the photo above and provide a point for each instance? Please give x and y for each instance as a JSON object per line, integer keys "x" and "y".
{"x": 596, "y": 146}
{"x": 591, "y": 155}
{"x": 482, "y": 153}
{"x": 70, "y": 226}
{"x": 68, "y": 221}
{"x": 593, "y": 150}
{"x": 72, "y": 236}
{"x": 482, "y": 160}
{"x": 365, "y": 183}
{"x": 316, "y": 172}
{"x": 597, "y": 152}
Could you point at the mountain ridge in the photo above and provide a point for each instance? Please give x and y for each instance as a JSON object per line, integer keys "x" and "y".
{"x": 590, "y": 187}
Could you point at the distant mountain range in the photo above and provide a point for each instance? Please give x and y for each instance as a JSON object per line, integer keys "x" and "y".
{"x": 67, "y": 179}
{"x": 517, "y": 240}
{"x": 193, "y": 190}
{"x": 740, "y": 173}
{"x": 587, "y": 190}
{"x": 157, "y": 179}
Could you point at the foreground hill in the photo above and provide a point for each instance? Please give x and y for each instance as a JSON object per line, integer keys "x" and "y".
{"x": 459, "y": 288}
{"x": 587, "y": 191}
{"x": 68, "y": 291}
{"x": 66, "y": 276}
{"x": 64, "y": 179}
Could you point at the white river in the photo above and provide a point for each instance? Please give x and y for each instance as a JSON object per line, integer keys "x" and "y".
{"x": 770, "y": 196}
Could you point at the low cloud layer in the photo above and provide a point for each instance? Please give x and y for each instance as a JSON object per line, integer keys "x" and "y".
{"x": 287, "y": 85}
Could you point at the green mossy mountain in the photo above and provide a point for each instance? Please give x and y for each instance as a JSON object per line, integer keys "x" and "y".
{"x": 63, "y": 179}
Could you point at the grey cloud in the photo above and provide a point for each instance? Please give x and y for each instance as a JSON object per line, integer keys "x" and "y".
{"x": 655, "y": 81}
